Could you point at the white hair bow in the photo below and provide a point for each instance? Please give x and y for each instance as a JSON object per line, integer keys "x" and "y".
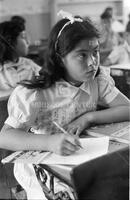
{"x": 67, "y": 15}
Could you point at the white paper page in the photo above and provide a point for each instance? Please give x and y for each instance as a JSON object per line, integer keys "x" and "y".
{"x": 92, "y": 148}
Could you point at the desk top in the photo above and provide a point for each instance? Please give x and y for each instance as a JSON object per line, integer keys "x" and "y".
{"x": 124, "y": 66}
{"x": 64, "y": 172}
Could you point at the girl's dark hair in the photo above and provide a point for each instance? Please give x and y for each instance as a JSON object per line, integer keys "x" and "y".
{"x": 106, "y": 15}
{"x": 71, "y": 35}
{"x": 19, "y": 19}
{"x": 9, "y": 31}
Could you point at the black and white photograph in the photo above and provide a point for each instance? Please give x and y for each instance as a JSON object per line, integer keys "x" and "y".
{"x": 64, "y": 99}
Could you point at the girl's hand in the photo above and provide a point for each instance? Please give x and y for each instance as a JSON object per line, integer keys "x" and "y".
{"x": 63, "y": 144}
{"x": 77, "y": 126}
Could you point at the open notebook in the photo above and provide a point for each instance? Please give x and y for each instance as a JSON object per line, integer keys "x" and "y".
{"x": 117, "y": 131}
{"x": 92, "y": 148}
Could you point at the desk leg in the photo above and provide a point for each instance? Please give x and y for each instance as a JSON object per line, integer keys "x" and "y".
{"x": 49, "y": 193}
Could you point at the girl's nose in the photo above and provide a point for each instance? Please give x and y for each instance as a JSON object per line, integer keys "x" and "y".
{"x": 91, "y": 61}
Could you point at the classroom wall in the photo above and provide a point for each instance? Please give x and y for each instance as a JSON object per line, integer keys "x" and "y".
{"x": 92, "y": 8}
{"x": 35, "y": 12}
{"x": 38, "y": 25}
{"x": 40, "y": 15}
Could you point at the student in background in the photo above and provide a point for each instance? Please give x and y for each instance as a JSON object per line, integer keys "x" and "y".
{"x": 70, "y": 86}
{"x": 115, "y": 24}
{"x": 120, "y": 54}
{"x": 109, "y": 10}
{"x": 14, "y": 67}
{"x": 108, "y": 39}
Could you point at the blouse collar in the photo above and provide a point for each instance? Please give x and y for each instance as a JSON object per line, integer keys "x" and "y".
{"x": 72, "y": 90}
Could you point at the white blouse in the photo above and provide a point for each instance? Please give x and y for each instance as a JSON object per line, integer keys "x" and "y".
{"x": 62, "y": 103}
{"x": 11, "y": 73}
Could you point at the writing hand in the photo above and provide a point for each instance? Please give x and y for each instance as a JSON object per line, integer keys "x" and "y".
{"x": 77, "y": 126}
{"x": 63, "y": 144}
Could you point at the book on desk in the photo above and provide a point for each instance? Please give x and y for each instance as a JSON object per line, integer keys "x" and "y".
{"x": 119, "y": 132}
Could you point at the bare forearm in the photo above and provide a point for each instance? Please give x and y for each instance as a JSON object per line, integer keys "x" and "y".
{"x": 110, "y": 115}
{"x": 16, "y": 140}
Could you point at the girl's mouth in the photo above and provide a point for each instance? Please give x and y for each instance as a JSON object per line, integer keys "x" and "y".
{"x": 90, "y": 72}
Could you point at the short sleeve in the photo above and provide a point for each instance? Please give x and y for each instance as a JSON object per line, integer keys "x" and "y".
{"x": 107, "y": 91}
{"x": 19, "y": 108}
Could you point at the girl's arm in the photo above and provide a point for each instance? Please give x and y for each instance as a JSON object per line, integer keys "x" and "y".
{"x": 16, "y": 140}
{"x": 118, "y": 111}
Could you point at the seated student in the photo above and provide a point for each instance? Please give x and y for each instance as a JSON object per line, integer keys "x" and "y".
{"x": 120, "y": 54}
{"x": 109, "y": 38}
{"x": 70, "y": 86}
{"x": 14, "y": 67}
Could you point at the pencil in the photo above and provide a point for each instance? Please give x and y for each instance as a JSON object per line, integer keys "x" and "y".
{"x": 64, "y": 131}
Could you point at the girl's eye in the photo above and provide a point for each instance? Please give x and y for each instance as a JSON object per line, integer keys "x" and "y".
{"x": 95, "y": 53}
{"x": 82, "y": 56}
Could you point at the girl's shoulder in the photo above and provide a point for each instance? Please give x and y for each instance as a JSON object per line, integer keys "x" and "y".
{"x": 104, "y": 73}
{"x": 23, "y": 107}
{"x": 23, "y": 94}
{"x": 104, "y": 77}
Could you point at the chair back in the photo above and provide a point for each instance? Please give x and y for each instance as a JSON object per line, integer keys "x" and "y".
{"x": 104, "y": 178}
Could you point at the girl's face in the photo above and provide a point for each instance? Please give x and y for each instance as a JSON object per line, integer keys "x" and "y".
{"x": 22, "y": 44}
{"x": 81, "y": 64}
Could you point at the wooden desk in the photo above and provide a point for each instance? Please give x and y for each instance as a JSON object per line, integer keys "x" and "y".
{"x": 104, "y": 178}
{"x": 101, "y": 178}
{"x": 64, "y": 172}
{"x": 125, "y": 66}
{"x": 116, "y": 163}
